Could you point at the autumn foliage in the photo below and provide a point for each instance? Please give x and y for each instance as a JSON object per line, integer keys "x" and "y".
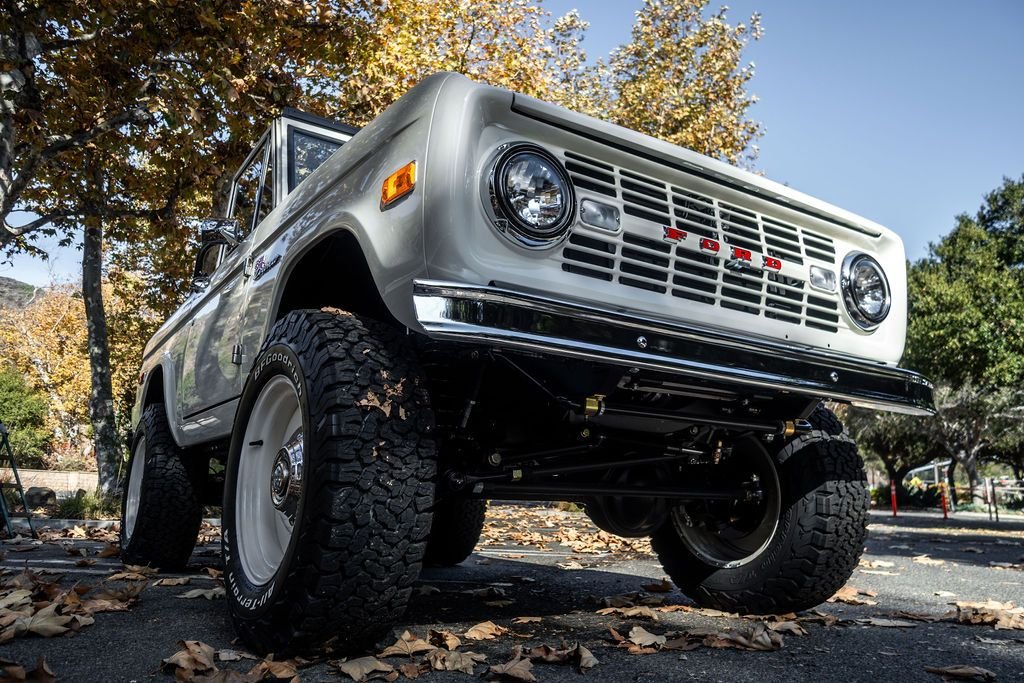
{"x": 123, "y": 122}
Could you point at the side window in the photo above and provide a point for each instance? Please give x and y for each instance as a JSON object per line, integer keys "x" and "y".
{"x": 247, "y": 192}
{"x": 267, "y": 191}
{"x": 307, "y": 152}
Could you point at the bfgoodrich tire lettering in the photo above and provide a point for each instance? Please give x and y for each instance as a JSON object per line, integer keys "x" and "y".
{"x": 160, "y": 508}
{"x": 818, "y": 541}
{"x": 367, "y": 488}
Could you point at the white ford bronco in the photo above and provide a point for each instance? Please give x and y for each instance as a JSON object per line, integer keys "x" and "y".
{"x": 480, "y": 296}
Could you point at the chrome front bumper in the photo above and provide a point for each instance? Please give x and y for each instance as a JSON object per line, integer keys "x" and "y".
{"x": 507, "y": 319}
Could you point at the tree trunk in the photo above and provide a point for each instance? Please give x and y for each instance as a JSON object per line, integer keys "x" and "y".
{"x": 952, "y": 483}
{"x": 973, "y": 480}
{"x": 101, "y": 396}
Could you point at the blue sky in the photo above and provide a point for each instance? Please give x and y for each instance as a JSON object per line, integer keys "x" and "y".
{"x": 905, "y": 112}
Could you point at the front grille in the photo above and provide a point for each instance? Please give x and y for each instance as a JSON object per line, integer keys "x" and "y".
{"x": 637, "y": 257}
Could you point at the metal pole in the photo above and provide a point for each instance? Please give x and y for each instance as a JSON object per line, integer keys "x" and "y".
{"x": 892, "y": 492}
{"x": 995, "y": 501}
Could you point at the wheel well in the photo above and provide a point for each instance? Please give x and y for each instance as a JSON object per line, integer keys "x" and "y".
{"x": 334, "y": 273}
{"x": 155, "y": 388}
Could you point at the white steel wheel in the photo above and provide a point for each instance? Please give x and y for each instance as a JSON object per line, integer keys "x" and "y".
{"x": 134, "y": 493}
{"x": 269, "y": 484}
{"x": 327, "y": 492}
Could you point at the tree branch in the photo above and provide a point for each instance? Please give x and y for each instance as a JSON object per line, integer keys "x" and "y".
{"x": 59, "y": 143}
{"x": 55, "y": 45}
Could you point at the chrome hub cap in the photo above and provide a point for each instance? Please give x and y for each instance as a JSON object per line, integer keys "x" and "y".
{"x": 286, "y": 477}
{"x": 268, "y": 489}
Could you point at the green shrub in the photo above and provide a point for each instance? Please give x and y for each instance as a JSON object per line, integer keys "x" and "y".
{"x": 23, "y": 410}
{"x": 86, "y": 505}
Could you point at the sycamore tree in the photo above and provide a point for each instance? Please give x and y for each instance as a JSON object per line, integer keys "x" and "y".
{"x": 966, "y": 332}
{"x": 121, "y": 122}
{"x": 112, "y": 112}
{"x": 894, "y": 438}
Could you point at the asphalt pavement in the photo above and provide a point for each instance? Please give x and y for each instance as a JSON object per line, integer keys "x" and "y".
{"x": 967, "y": 558}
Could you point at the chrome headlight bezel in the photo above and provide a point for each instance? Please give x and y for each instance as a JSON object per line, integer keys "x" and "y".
{"x": 504, "y": 217}
{"x": 863, "y": 319}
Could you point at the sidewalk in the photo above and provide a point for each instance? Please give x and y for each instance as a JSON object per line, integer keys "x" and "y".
{"x": 1009, "y": 521}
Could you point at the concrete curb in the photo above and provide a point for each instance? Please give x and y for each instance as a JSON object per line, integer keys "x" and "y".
{"x": 41, "y": 523}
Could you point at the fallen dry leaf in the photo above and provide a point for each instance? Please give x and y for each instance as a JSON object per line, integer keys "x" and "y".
{"x": 991, "y": 612}
{"x": 284, "y": 670}
{"x": 753, "y": 637}
{"x": 194, "y": 657}
{"x": 854, "y": 596}
{"x": 445, "y": 639}
{"x": 407, "y": 645}
{"x": 233, "y": 655}
{"x": 876, "y": 564}
{"x": 42, "y": 673}
{"x": 915, "y": 616}
{"x": 527, "y": 620}
{"x": 413, "y": 670}
{"x": 215, "y": 593}
{"x": 515, "y": 669}
{"x": 486, "y": 630}
{"x": 180, "y": 581}
{"x": 109, "y": 550}
{"x": 792, "y": 627}
{"x": 445, "y": 660}
{"x": 961, "y": 672}
{"x": 642, "y": 612}
{"x": 361, "y": 668}
{"x": 886, "y": 623}
{"x": 638, "y": 635}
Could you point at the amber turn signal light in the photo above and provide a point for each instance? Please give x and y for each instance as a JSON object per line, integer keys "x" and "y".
{"x": 398, "y": 184}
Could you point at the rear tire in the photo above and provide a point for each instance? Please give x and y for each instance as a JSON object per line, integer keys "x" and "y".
{"x": 160, "y": 506}
{"x": 329, "y": 484}
{"x": 454, "y": 531}
{"x": 814, "y": 548}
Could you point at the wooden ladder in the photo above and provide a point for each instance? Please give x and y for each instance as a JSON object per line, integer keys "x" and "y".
{"x": 7, "y": 460}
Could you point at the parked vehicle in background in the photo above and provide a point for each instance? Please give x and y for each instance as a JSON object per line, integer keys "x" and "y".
{"x": 483, "y": 296}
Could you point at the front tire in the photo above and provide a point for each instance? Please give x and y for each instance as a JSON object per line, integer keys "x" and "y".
{"x": 329, "y": 484}
{"x": 807, "y": 555}
{"x": 160, "y": 505}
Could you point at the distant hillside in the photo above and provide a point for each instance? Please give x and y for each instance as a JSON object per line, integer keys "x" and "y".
{"x": 15, "y": 293}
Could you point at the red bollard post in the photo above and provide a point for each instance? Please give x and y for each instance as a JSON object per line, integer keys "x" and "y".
{"x": 892, "y": 490}
{"x": 942, "y": 493}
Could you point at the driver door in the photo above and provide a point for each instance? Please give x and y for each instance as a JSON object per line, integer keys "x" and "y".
{"x": 211, "y": 376}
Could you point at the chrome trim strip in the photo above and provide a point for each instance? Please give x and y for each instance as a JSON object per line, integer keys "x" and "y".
{"x": 516, "y": 320}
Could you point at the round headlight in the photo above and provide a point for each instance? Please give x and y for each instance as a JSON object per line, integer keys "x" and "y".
{"x": 865, "y": 290}
{"x": 531, "y": 196}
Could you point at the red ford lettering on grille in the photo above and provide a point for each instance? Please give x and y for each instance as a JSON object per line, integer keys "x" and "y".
{"x": 771, "y": 263}
{"x": 709, "y": 245}
{"x": 742, "y": 255}
{"x": 674, "y": 234}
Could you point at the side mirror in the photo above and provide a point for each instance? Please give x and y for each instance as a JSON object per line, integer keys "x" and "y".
{"x": 220, "y": 231}
{"x": 215, "y": 235}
